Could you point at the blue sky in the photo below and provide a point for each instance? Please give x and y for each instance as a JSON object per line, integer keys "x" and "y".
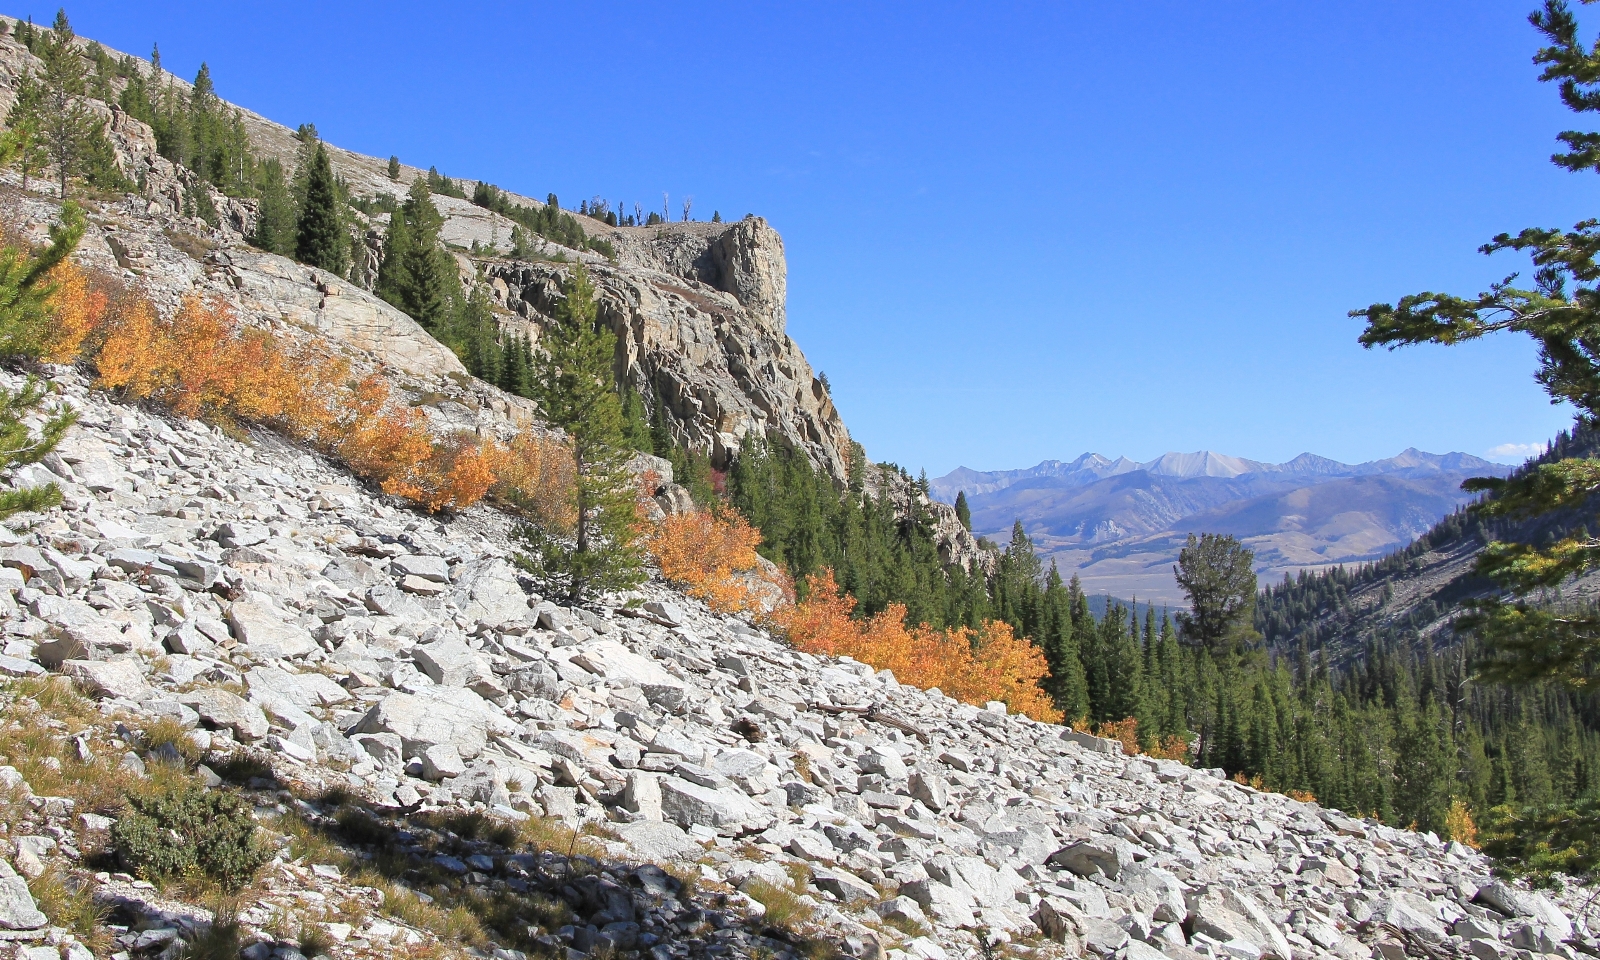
{"x": 1015, "y": 231}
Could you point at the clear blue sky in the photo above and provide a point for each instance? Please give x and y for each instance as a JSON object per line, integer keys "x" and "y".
{"x": 1015, "y": 231}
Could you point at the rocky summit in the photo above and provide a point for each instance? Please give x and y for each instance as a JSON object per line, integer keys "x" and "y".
{"x": 252, "y": 593}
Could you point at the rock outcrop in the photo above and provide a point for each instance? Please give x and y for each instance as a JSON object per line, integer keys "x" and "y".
{"x": 698, "y": 308}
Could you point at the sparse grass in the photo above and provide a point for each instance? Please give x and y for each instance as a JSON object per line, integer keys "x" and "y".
{"x": 799, "y": 874}
{"x": 549, "y": 833}
{"x": 168, "y": 737}
{"x": 36, "y": 730}
{"x": 907, "y": 926}
{"x": 785, "y": 909}
{"x": 458, "y": 913}
{"x": 69, "y": 902}
{"x": 474, "y": 826}
{"x": 817, "y": 948}
{"x": 314, "y": 939}
{"x": 241, "y": 766}
{"x": 687, "y": 875}
{"x": 192, "y": 246}
{"x": 221, "y": 939}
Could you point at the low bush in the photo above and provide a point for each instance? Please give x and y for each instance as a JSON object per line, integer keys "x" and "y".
{"x": 711, "y": 555}
{"x": 974, "y": 666}
{"x": 188, "y": 832}
{"x": 536, "y": 478}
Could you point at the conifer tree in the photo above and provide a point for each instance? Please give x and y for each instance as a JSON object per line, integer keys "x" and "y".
{"x": 1217, "y": 574}
{"x": 276, "y": 217}
{"x": 635, "y": 425}
{"x": 575, "y": 389}
{"x": 394, "y": 168}
{"x": 417, "y": 275}
{"x": 320, "y": 237}
{"x": 963, "y": 512}
{"x": 67, "y": 129}
{"x": 28, "y": 429}
{"x": 25, "y": 139}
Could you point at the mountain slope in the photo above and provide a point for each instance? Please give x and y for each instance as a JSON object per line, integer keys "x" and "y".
{"x": 1410, "y": 596}
{"x": 1119, "y": 524}
{"x": 698, "y": 308}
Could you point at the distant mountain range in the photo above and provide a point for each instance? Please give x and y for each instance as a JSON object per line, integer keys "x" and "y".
{"x": 1120, "y": 523}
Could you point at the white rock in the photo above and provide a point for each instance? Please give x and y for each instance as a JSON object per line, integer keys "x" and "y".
{"x": 119, "y": 679}
{"x": 268, "y": 631}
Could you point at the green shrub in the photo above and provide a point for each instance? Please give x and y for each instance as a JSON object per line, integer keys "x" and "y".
{"x": 189, "y": 832}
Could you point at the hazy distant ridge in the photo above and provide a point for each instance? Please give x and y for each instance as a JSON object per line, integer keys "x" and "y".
{"x": 1120, "y": 523}
{"x": 1206, "y": 463}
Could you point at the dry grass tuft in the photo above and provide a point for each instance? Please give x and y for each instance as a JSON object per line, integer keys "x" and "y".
{"x": 69, "y": 903}
{"x": 785, "y": 908}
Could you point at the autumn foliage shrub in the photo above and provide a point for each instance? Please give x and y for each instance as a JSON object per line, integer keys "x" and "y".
{"x": 201, "y": 362}
{"x": 711, "y": 555}
{"x": 79, "y": 309}
{"x": 974, "y": 666}
{"x": 536, "y": 477}
{"x": 1126, "y": 732}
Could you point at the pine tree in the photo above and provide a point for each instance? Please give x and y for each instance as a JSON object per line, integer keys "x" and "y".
{"x": 25, "y": 139}
{"x": 417, "y": 274}
{"x": 320, "y": 237}
{"x": 67, "y": 129}
{"x": 276, "y": 217}
{"x": 394, "y": 168}
{"x": 1217, "y": 574}
{"x": 963, "y": 512}
{"x": 573, "y": 385}
{"x": 635, "y": 425}
{"x": 29, "y": 429}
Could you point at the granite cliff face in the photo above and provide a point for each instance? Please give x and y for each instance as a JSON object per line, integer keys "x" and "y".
{"x": 698, "y": 308}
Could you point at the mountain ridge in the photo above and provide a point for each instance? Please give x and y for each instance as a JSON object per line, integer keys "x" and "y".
{"x": 1119, "y": 524}
{"x": 1199, "y": 463}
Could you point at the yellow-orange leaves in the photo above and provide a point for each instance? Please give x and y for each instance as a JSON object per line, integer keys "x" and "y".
{"x": 201, "y": 362}
{"x": 990, "y": 663}
{"x": 538, "y": 478}
{"x": 710, "y": 555}
{"x": 78, "y": 309}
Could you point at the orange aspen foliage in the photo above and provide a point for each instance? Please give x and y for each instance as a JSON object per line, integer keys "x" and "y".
{"x": 972, "y": 666}
{"x": 201, "y": 362}
{"x": 1458, "y": 823}
{"x": 705, "y": 553}
{"x": 381, "y": 442}
{"x": 78, "y": 307}
{"x": 1126, "y": 731}
{"x": 536, "y": 476}
{"x": 821, "y": 624}
{"x": 122, "y": 360}
{"x": 456, "y": 474}
{"x": 1172, "y": 748}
